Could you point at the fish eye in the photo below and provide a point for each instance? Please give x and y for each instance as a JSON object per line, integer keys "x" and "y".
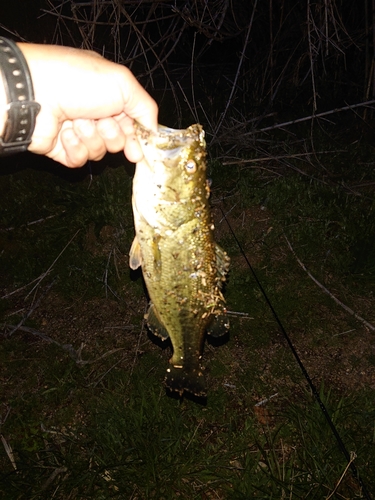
{"x": 191, "y": 167}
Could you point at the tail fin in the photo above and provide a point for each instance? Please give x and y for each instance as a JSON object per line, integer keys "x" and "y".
{"x": 181, "y": 379}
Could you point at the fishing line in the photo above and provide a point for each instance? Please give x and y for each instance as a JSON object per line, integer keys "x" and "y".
{"x": 303, "y": 369}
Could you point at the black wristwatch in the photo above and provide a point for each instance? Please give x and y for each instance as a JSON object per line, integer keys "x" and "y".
{"x": 22, "y": 109}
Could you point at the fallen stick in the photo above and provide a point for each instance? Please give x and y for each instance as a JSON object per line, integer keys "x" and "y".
{"x": 347, "y": 309}
{"x": 75, "y": 354}
{"x": 9, "y": 452}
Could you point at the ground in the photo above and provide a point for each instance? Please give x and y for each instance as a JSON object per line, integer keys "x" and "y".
{"x": 82, "y": 357}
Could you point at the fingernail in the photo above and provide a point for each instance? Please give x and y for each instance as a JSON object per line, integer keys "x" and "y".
{"x": 86, "y": 127}
{"x": 110, "y": 132}
{"x": 70, "y": 136}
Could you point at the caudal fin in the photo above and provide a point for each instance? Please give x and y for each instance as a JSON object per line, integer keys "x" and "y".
{"x": 182, "y": 379}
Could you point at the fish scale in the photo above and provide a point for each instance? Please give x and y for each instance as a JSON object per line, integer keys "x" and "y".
{"x": 182, "y": 266}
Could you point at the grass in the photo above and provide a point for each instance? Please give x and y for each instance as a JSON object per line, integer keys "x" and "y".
{"x": 154, "y": 447}
{"x": 84, "y": 410}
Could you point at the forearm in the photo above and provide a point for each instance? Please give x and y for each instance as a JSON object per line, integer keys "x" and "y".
{"x": 87, "y": 105}
{"x": 19, "y": 110}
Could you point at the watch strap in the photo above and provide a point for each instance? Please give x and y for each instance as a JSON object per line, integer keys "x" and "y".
{"x": 21, "y": 108}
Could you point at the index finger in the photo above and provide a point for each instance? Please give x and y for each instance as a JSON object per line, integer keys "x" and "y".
{"x": 139, "y": 105}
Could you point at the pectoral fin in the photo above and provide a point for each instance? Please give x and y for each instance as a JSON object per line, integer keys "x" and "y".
{"x": 135, "y": 258}
{"x": 155, "y": 324}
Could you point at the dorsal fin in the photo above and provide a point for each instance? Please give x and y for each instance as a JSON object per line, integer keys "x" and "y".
{"x": 222, "y": 262}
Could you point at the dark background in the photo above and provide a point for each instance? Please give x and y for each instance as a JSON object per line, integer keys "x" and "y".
{"x": 219, "y": 61}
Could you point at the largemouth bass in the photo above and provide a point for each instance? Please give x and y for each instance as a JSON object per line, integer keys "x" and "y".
{"x": 182, "y": 266}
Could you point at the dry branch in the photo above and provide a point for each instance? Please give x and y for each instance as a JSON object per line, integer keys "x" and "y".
{"x": 9, "y": 452}
{"x": 353, "y": 456}
{"x": 75, "y": 354}
{"x": 168, "y": 44}
{"x": 311, "y": 117}
{"x": 240, "y": 62}
{"x": 325, "y": 290}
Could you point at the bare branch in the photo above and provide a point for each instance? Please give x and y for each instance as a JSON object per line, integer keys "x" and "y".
{"x": 325, "y": 290}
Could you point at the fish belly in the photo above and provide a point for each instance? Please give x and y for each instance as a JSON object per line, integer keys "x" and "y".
{"x": 179, "y": 272}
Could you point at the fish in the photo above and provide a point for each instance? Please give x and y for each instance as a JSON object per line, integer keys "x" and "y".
{"x": 182, "y": 266}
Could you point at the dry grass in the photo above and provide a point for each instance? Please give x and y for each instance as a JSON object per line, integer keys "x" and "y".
{"x": 264, "y": 58}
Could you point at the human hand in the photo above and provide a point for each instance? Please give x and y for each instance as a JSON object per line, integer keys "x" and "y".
{"x": 88, "y": 105}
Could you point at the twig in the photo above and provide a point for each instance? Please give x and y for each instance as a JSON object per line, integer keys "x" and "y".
{"x": 238, "y": 313}
{"x": 353, "y": 456}
{"x": 229, "y": 102}
{"x": 347, "y": 309}
{"x": 241, "y": 161}
{"x": 105, "y": 275}
{"x": 21, "y": 288}
{"x": 55, "y": 473}
{"x": 14, "y": 34}
{"x": 229, "y": 211}
{"x": 3, "y": 420}
{"x": 138, "y": 344}
{"x": 306, "y": 118}
{"x": 312, "y": 56}
{"x": 75, "y": 354}
{"x": 32, "y": 309}
{"x": 27, "y": 329}
{"x": 38, "y": 221}
{"x": 94, "y": 384}
{"x": 195, "y": 114}
{"x": 9, "y": 452}
{"x": 43, "y": 275}
{"x": 343, "y": 333}
{"x": 264, "y": 401}
{"x": 127, "y": 327}
{"x": 194, "y": 433}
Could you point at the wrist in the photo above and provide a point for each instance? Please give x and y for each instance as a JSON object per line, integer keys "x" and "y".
{"x": 20, "y": 110}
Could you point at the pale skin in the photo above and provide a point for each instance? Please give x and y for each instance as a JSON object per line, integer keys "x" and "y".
{"x": 88, "y": 105}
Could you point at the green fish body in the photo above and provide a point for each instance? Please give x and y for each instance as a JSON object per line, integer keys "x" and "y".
{"x": 182, "y": 266}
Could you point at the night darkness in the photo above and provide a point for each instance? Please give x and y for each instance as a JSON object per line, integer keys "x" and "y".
{"x": 285, "y": 92}
{"x": 280, "y": 49}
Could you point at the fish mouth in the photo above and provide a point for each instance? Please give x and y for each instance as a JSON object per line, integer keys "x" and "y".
{"x": 169, "y": 140}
